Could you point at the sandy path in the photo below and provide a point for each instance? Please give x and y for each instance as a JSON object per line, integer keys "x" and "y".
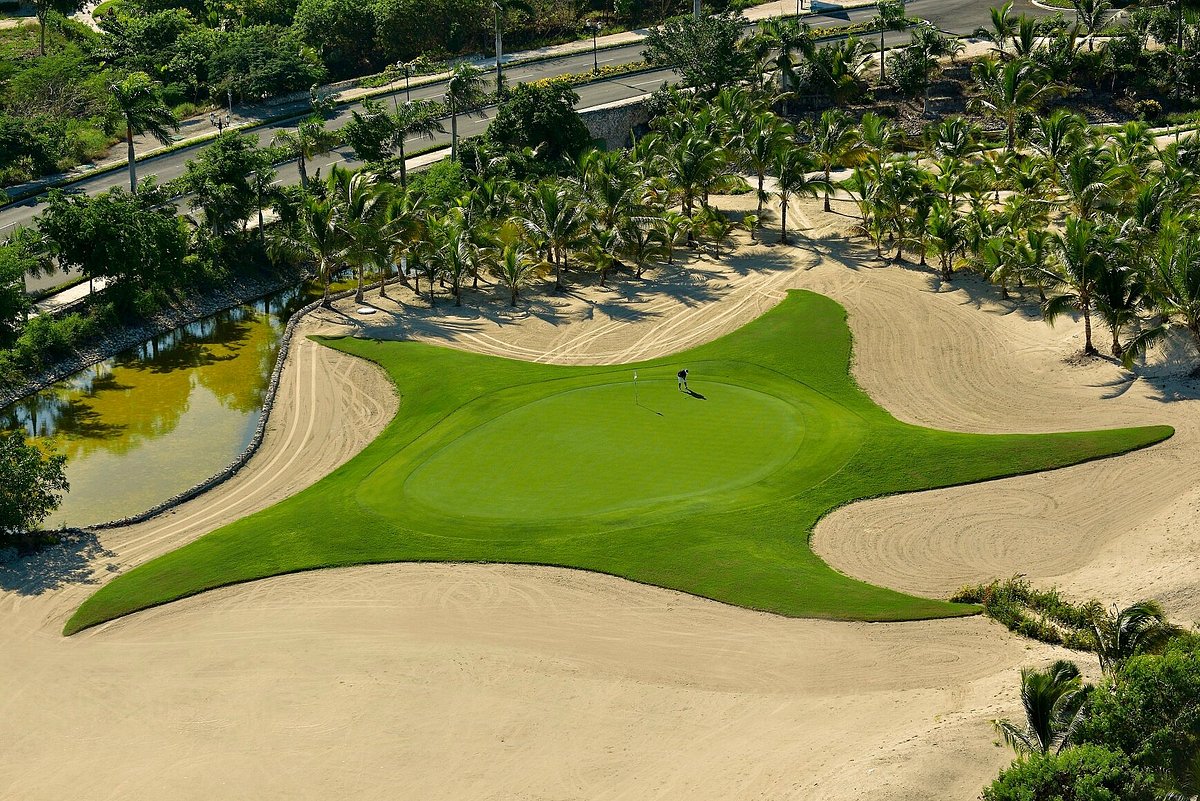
{"x": 519, "y": 682}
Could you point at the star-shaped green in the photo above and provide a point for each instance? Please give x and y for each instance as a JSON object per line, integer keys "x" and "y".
{"x": 713, "y": 492}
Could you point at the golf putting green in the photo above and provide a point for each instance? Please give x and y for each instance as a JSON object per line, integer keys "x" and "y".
{"x": 713, "y": 493}
{"x": 662, "y": 446}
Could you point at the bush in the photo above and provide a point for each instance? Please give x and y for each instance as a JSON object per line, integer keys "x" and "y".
{"x": 1148, "y": 109}
{"x": 1085, "y": 773}
{"x": 1042, "y": 615}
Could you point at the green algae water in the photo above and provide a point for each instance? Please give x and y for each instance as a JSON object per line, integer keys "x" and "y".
{"x": 160, "y": 418}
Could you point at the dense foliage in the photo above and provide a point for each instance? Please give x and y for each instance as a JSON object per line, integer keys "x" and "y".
{"x": 1136, "y": 735}
{"x": 31, "y": 486}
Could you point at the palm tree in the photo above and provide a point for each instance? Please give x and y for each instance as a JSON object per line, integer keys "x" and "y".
{"x": 759, "y": 148}
{"x": 834, "y": 141}
{"x": 1173, "y": 285}
{"x": 1059, "y": 135}
{"x": 1004, "y": 25}
{"x": 403, "y": 224}
{"x": 1054, "y": 701}
{"x": 262, "y": 184}
{"x": 642, "y": 241}
{"x": 554, "y": 218}
{"x": 792, "y": 169}
{"x": 889, "y": 17}
{"x": 1006, "y": 91}
{"x": 781, "y": 39}
{"x": 315, "y": 237}
{"x": 415, "y": 118}
{"x": 308, "y": 140}
{"x": 946, "y": 235}
{"x": 1091, "y": 179}
{"x": 673, "y": 228}
{"x": 512, "y": 261}
{"x": 361, "y": 200}
{"x": 602, "y": 250}
{"x": 137, "y": 101}
{"x": 715, "y": 227}
{"x": 464, "y": 93}
{"x": 953, "y": 137}
{"x": 450, "y": 236}
{"x": 1091, "y": 14}
{"x": 1081, "y": 251}
{"x": 1123, "y": 633}
{"x": 1120, "y": 295}
{"x": 691, "y": 168}
{"x": 931, "y": 44}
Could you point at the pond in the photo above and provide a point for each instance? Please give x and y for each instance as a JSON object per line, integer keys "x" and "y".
{"x": 162, "y": 417}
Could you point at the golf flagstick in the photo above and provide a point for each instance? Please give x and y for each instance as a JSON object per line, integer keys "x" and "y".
{"x": 635, "y": 395}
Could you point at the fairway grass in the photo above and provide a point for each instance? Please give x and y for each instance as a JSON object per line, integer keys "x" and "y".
{"x": 713, "y": 493}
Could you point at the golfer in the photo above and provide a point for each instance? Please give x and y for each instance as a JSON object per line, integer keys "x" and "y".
{"x": 682, "y": 376}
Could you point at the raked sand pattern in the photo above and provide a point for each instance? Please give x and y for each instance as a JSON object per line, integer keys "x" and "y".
{"x": 509, "y": 682}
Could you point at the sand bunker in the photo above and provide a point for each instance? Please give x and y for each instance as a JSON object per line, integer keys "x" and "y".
{"x": 453, "y": 682}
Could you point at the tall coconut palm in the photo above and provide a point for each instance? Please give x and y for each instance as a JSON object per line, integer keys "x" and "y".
{"x": 1009, "y": 90}
{"x": 1120, "y": 295}
{"x": 758, "y": 148}
{"x": 946, "y": 235}
{"x": 415, "y": 118}
{"x": 889, "y": 16}
{"x": 555, "y": 217}
{"x": 780, "y": 40}
{"x": 793, "y": 173}
{"x": 314, "y": 237}
{"x": 453, "y": 247}
{"x": 512, "y": 261}
{"x": 834, "y": 142}
{"x": 1081, "y": 251}
{"x": 464, "y": 94}
{"x": 262, "y": 182}
{"x": 691, "y": 167}
{"x": 1054, "y": 700}
{"x": 1124, "y": 633}
{"x": 361, "y": 200}
{"x": 641, "y": 241}
{"x": 1173, "y": 286}
{"x": 310, "y": 139}
{"x": 137, "y": 100}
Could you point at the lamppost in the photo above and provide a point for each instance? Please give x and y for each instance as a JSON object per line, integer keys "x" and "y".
{"x": 498, "y": 9}
{"x": 593, "y": 27}
{"x": 229, "y": 94}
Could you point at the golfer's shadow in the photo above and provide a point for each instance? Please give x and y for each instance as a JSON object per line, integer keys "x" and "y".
{"x": 695, "y": 394}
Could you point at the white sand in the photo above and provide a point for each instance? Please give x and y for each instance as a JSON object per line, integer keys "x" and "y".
{"x": 519, "y": 682}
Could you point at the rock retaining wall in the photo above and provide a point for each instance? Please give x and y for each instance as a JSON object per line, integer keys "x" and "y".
{"x": 615, "y": 122}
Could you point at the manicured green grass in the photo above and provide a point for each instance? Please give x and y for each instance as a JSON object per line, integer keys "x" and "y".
{"x": 507, "y": 461}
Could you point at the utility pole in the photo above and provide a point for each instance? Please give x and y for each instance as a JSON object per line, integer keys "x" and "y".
{"x": 500, "y": 48}
{"x": 696, "y": 8}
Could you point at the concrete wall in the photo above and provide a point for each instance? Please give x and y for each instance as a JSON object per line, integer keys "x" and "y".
{"x": 614, "y": 121}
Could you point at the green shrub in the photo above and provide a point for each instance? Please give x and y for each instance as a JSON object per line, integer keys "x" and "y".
{"x": 1084, "y": 773}
{"x": 1042, "y": 615}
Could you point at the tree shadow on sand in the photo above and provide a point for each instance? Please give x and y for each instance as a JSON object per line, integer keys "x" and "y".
{"x": 68, "y": 561}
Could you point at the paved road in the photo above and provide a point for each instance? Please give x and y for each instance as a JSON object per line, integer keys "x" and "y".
{"x": 955, "y": 16}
